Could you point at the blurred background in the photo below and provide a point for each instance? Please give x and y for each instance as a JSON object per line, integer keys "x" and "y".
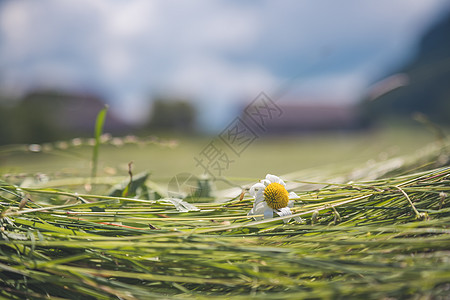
{"x": 333, "y": 68}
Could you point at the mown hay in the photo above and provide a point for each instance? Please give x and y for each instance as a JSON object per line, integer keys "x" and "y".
{"x": 386, "y": 236}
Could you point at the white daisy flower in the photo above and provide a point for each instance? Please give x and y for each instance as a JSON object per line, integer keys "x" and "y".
{"x": 271, "y": 197}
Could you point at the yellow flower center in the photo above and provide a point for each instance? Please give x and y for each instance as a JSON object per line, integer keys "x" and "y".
{"x": 276, "y": 196}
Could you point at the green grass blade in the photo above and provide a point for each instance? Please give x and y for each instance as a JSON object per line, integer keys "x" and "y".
{"x": 99, "y": 123}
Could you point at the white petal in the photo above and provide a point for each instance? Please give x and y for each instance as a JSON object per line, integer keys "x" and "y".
{"x": 180, "y": 205}
{"x": 258, "y": 209}
{"x": 268, "y": 213}
{"x": 273, "y": 178}
{"x": 265, "y": 182}
{"x": 298, "y": 219}
{"x": 293, "y": 195}
{"x": 257, "y": 188}
{"x": 285, "y": 211}
{"x": 252, "y": 213}
{"x": 291, "y": 205}
{"x": 258, "y": 199}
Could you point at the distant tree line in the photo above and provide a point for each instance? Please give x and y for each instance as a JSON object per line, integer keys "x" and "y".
{"x": 46, "y": 116}
{"x": 428, "y": 88}
{"x": 172, "y": 115}
{"x": 31, "y": 119}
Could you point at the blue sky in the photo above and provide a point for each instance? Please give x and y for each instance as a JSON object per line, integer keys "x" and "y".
{"x": 220, "y": 54}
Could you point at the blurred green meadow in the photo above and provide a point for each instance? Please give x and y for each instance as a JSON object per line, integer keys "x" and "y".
{"x": 165, "y": 157}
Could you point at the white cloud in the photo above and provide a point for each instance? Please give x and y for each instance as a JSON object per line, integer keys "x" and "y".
{"x": 220, "y": 50}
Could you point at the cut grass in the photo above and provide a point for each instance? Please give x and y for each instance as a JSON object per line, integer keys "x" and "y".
{"x": 385, "y": 234}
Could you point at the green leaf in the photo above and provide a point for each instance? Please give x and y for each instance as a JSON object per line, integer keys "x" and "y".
{"x": 129, "y": 188}
{"x": 100, "y": 121}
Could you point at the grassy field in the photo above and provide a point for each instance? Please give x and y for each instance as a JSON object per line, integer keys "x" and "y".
{"x": 170, "y": 156}
{"x": 374, "y": 208}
